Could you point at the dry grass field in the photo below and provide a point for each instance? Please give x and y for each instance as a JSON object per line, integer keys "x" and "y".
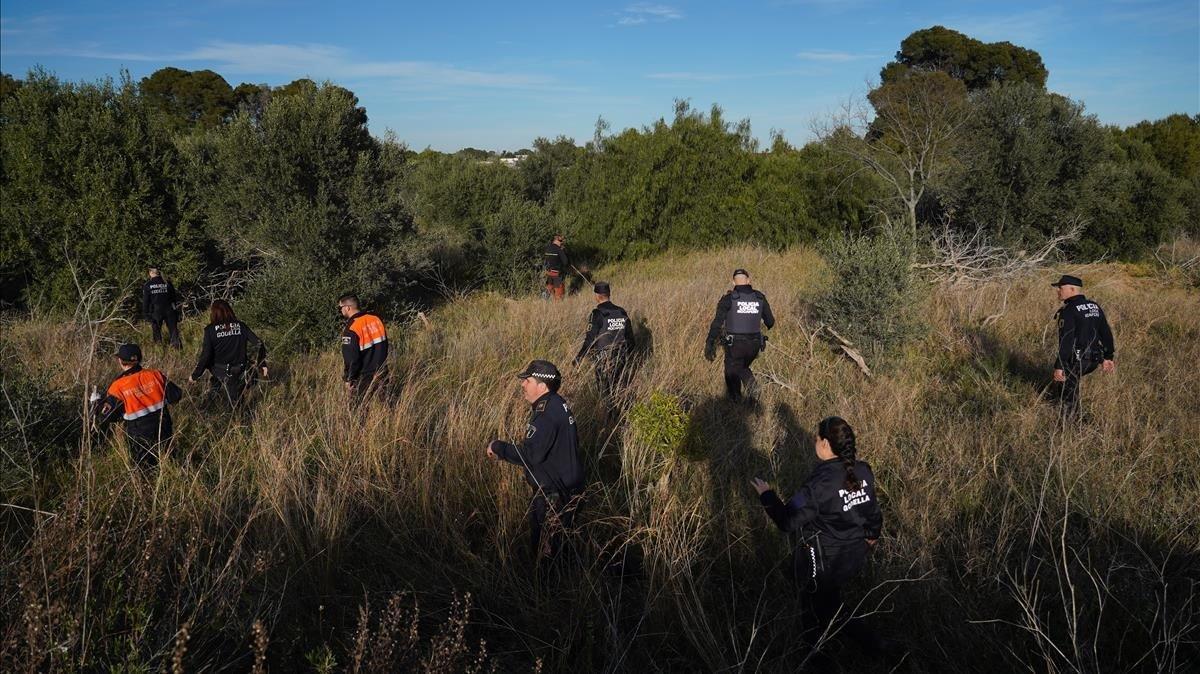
{"x": 306, "y": 537}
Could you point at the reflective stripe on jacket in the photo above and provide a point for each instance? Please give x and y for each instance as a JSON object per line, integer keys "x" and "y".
{"x": 140, "y": 392}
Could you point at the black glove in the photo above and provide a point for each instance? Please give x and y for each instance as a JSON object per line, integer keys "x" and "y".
{"x": 710, "y": 351}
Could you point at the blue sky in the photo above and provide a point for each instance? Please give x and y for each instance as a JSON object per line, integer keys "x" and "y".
{"x": 496, "y": 75}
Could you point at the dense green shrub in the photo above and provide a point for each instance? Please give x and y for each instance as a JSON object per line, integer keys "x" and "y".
{"x": 874, "y": 293}
{"x": 87, "y": 180}
{"x": 310, "y": 202}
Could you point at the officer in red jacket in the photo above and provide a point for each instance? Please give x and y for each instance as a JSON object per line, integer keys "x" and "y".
{"x": 139, "y": 397}
{"x": 364, "y": 348}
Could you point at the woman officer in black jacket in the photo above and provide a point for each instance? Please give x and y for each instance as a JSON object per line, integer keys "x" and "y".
{"x": 837, "y": 513}
{"x": 226, "y": 353}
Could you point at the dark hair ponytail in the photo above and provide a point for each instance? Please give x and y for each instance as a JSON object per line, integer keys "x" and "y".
{"x": 841, "y": 441}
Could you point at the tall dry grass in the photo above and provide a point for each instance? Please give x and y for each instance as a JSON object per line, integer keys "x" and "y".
{"x": 306, "y": 536}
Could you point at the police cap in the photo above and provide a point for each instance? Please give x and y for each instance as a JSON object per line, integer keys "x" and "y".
{"x": 130, "y": 353}
{"x": 540, "y": 369}
{"x": 740, "y": 272}
{"x": 602, "y": 288}
{"x": 1068, "y": 280}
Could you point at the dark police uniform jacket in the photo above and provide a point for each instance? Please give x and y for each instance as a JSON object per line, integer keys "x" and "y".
{"x": 140, "y": 397}
{"x": 550, "y": 452}
{"x": 555, "y": 258}
{"x": 609, "y": 329}
{"x": 741, "y": 311}
{"x": 1083, "y": 333}
{"x": 158, "y": 298}
{"x": 364, "y": 345}
{"x": 227, "y": 347}
{"x": 823, "y": 505}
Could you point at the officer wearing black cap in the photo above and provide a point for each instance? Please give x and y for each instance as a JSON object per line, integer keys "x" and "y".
{"x": 741, "y": 312}
{"x": 139, "y": 397}
{"x": 1085, "y": 342}
{"x": 608, "y": 341}
{"x": 158, "y": 307}
{"x": 549, "y": 455}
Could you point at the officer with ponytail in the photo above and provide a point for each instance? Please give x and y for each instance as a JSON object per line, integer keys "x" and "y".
{"x": 837, "y": 515}
{"x": 741, "y": 313}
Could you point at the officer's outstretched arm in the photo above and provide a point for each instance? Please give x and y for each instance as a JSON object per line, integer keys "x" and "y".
{"x": 714, "y": 328}
{"x": 539, "y": 438}
{"x": 107, "y": 410}
{"x": 590, "y": 338}
{"x": 794, "y": 514}
{"x": 767, "y": 317}
{"x": 206, "y": 356}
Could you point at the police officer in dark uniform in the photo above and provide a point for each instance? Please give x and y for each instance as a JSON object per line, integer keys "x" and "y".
{"x": 140, "y": 398}
{"x": 837, "y": 515}
{"x": 549, "y": 455}
{"x": 1085, "y": 342}
{"x": 364, "y": 348}
{"x": 609, "y": 341}
{"x": 555, "y": 264}
{"x": 741, "y": 312}
{"x": 158, "y": 307}
{"x": 228, "y": 344}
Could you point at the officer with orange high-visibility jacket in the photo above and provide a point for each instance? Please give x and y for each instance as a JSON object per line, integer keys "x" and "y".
{"x": 139, "y": 396}
{"x": 364, "y": 347}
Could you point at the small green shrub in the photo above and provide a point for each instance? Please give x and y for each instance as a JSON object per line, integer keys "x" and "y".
{"x": 660, "y": 423}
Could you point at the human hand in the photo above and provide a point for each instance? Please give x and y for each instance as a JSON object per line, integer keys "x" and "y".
{"x": 871, "y": 542}
{"x": 1108, "y": 366}
{"x": 760, "y": 486}
{"x": 1060, "y": 376}
{"x": 265, "y": 372}
{"x": 490, "y": 454}
{"x": 710, "y": 352}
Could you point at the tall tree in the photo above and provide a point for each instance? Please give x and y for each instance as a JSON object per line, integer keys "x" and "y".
{"x": 907, "y": 137}
{"x": 309, "y": 202}
{"x": 189, "y": 98}
{"x": 87, "y": 179}
{"x": 977, "y": 64}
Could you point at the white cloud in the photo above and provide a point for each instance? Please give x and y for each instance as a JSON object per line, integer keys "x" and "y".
{"x": 645, "y": 12}
{"x": 1021, "y": 28}
{"x": 320, "y": 62}
{"x": 691, "y": 76}
{"x": 832, "y": 56}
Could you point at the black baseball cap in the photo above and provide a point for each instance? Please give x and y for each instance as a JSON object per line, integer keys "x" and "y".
{"x": 602, "y": 288}
{"x": 740, "y": 272}
{"x": 1068, "y": 280}
{"x": 540, "y": 369}
{"x": 131, "y": 353}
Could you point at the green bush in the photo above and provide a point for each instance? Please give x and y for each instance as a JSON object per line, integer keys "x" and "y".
{"x": 511, "y": 247}
{"x": 661, "y": 424}
{"x": 874, "y": 293}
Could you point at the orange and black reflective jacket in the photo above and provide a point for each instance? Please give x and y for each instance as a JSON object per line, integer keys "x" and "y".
{"x": 139, "y": 396}
{"x": 364, "y": 345}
